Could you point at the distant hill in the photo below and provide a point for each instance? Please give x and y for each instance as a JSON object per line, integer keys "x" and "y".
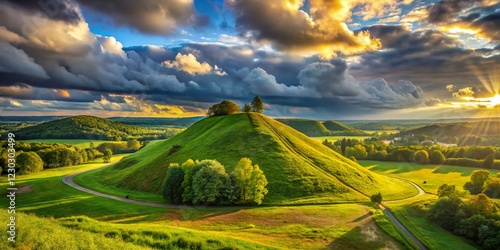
{"x": 298, "y": 168}
{"x": 83, "y": 127}
{"x": 157, "y": 121}
{"x": 316, "y": 128}
{"x": 457, "y": 129}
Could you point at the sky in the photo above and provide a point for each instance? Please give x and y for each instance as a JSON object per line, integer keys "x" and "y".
{"x": 316, "y": 59}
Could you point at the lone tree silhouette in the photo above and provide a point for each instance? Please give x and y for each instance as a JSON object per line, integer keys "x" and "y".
{"x": 257, "y": 105}
{"x": 343, "y": 146}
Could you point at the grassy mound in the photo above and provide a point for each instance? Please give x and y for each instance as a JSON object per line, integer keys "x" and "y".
{"x": 82, "y": 127}
{"x": 337, "y": 126}
{"x": 299, "y": 169}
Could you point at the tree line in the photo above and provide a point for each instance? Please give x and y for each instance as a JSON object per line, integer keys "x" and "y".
{"x": 227, "y": 107}
{"x": 475, "y": 218}
{"x": 34, "y": 157}
{"x": 376, "y": 149}
{"x": 207, "y": 182}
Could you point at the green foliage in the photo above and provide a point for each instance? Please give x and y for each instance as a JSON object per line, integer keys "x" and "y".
{"x": 85, "y": 127}
{"x": 225, "y": 107}
{"x": 343, "y": 146}
{"x": 133, "y": 144}
{"x": 401, "y": 155}
{"x": 447, "y": 212}
{"x": 466, "y": 162}
{"x": 257, "y": 105}
{"x": 29, "y": 162}
{"x": 208, "y": 182}
{"x": 376, "y": 198}
{"x": 258, "y": 183}
{"x": 478, "y": 178}
{"x": 421, "y": 157}
{"x": 107, "y": 155}
{"x": 315, "y": 128}
{"x": 172, "y": 187}
{"x": 247, "y": 108}
{"x": 488, "y": 162}
{"x": 492, "y": 187}
{"x": 447, "y": 190}
{"x": 437, "y": 157}
{"x": 358, "y": 152}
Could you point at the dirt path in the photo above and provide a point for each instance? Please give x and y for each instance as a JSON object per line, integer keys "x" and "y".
{"x": 68, "y": 180}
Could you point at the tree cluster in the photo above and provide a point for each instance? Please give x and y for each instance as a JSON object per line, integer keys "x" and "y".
{"x": 207, "y": 182}
{"x": 477, "y": 156}
{"x": 482, "y": 181}
{"x": 227, "y": 107}
{"x": 476, "y": 219}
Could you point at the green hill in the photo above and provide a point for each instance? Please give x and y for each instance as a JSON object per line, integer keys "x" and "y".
{"x": 316, "y": 128}
{"x": 83, "y": 127}
{"x": 298, "y": 168}
{"x": 337, "y": 126}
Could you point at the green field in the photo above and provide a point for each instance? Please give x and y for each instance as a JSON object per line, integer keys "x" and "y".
{"x": 433, "y": 175}
{"x": 79, "y": 143}
{"x": 341, "y": 226}
{"x": 410, "y": 214}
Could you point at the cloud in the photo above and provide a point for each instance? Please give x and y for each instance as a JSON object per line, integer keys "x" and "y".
{"x": 191, "y": 65}
{"x": 13, "y": 60}
{"x": 446, "y": 10}
{"x": 289, "y": 28}
{"x": 464, "y": 92}
{"x": 61, "y": 10}
{"x": 148, "y": 16}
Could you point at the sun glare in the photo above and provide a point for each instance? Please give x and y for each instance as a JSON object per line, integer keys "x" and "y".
{"x": 495, "y": 100}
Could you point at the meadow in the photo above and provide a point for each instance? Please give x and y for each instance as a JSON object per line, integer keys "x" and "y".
{"x": 107, "y": 222}
{"x": 340, "y": 137}
{"x": 433, "y": 175}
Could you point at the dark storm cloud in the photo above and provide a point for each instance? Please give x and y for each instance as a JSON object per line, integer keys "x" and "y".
{"x": 489, "y": 26}
{"x": 446, "y": 10}
{"x": 148, "y": 16}
{"x": 63, "y": 10}
{"x": 428, "y": 58}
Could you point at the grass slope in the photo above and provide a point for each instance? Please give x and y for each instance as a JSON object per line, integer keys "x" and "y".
{"x": 81, "y": 127}
{"x": 337, "y": 126}
{"x": 298, "y": 169}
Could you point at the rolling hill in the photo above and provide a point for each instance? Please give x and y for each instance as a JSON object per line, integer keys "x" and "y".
{"x": 316, "y": 128}
{"x": 457, "y": 129}
{"x": 298, "y": 168}
{"x": 83, "y": 127}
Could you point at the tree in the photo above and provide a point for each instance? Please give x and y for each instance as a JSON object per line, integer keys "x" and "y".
{"x": 437, "y": 157}
{"x": 447, "y": 212}
{"x": 208, "y": 182}
{"x": 225, "y": 107}
{"x": 247, "y": 108}
{"x": 83, "y": 153}
{"x": 172, "y": 186}
{"x": 358, "y": 152}
{"x": 376, "y": 198}
{"x": 29, "y": 162}
{"x": 242, "y": 173}
{"x": 488, "y": 162}
{"x": 107, "y": 155}
{"x": 189, "y": 167}
{"x": 257, "y": 105}
{"x": 492, "y": 187}
{"x": 133, "y": 144}
{"x": 258, "y": 183}
{"x": 421, "y": 157}
{"x": 478, "y": 178}
{"x": 481, "y": 204}
{"x": 447, "y": 190}
{"x": 343, "y": 146}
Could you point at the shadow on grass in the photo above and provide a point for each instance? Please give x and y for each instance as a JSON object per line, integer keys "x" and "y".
{"x": 362, "y": 217}
{"x": 355, "y": 239}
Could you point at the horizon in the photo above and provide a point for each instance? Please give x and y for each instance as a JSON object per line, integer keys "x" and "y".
{"x": 383, "y": 60}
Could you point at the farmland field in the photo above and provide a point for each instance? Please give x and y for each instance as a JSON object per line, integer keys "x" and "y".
{"x": 79, "y": 143}
{"x": 433, "y": 175}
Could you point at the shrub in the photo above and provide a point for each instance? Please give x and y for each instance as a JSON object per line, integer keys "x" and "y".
{"x": 172, "y": 186}
{"x": 478, "y": 178}
{"x": 437, "y": 157}
{"x": 488, "y": 162}
{"x": 29, "y": 162}
{"x": 352, "y": 158}
{"x": 376, "y": 198}
{"x": 421, "y": 157}
{"x": 225, "y": 107}
{"x": 401, "y": 155}
{"x": 358, "y": 152}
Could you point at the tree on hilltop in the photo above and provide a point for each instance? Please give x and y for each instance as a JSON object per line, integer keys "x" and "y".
{"x": 258, "y": 105}
{"x": 225, "y": 107}
{"x": 247, "y": 108}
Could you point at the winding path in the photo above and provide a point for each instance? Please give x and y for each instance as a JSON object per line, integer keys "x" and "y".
{"x": 68, "y": 180}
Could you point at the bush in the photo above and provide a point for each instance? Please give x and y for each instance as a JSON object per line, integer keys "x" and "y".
{"x": 358, "y": 152}
{"x": 464, "y": 162}
{"x": 488, "y": 162}
{"x": 376, "y": 198}
{"x": 437, "y": 157}
{"x": 421, "y": 157}
{"x": 172, "y": 186}
{"x": 29, "y": 162}
{"x": 401, "y": 155}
